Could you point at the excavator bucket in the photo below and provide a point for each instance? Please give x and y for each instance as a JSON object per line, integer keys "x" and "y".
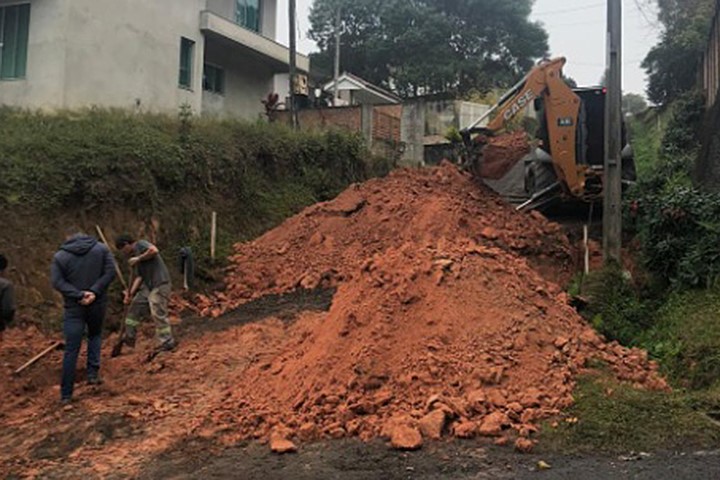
{"x": 495, "y": 156}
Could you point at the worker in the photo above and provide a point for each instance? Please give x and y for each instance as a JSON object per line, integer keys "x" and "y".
{"x": 7, "y": 297}
{"x": 82, "y": 271}
{"x": 149, "y": 291}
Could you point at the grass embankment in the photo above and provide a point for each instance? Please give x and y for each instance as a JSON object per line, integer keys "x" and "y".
{"x": 159, "y": 177}
{"x": 673, "y": 311}
{"x": 684, "y": 337}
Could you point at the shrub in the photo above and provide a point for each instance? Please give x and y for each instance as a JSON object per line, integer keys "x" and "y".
{"x": 105, "y": 157}
{"x": 615, "y": 308}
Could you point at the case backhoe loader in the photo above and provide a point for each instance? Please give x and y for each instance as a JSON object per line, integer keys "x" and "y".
{"x": 569, "y": 160}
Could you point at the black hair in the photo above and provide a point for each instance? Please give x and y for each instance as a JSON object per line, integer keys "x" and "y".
{"x": 3, "y": 262}
{"x": 122, "y": 240}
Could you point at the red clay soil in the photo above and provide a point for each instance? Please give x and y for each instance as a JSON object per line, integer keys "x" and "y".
{"x": 439, "y": 306}
{"x": 326, "y": 244}
{"x": 447, "y": 320}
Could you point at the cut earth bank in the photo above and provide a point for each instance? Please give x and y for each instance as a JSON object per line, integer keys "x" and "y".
{"x": 420, "y": 305}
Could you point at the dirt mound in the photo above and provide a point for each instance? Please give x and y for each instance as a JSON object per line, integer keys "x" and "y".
{"x": 446, "y": 319}
{"x": 327, "y": 243}
{"x": 451, "y": 328}
{"x": 442, "y": 321}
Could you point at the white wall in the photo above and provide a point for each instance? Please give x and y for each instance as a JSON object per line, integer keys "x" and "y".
{"x": 268, "y": 13}
{"x": 247, "y": 82}
{"x": 224, "y": 8}
{"x": 45, "y": 75}
{"x": 105, "y": 52}
{"x": 126, "y": 54}
{"x": 123, "y": 53}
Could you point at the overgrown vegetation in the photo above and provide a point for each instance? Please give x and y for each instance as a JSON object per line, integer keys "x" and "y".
{"x": 87, "y": 166}
{"x": 451, "y": 49}
{"x": 669, "y": 307}
{"x": 613, "y": 417}
{"x": 675, "y": 222}
{"x": 99, "y": 157}
{"x": 615, "y": 309}
{"x": 673, "y": 63}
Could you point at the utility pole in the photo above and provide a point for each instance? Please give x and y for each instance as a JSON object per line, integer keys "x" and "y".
{"x": 338, "y": 23}
{"x": 293, "y": 65}
{"x": 612, "y": 202}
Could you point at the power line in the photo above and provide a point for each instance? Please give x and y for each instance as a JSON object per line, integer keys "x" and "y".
{"x": 568, "y": 10}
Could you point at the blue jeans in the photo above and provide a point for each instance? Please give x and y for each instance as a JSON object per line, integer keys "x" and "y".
{"x": 74, "y": 321}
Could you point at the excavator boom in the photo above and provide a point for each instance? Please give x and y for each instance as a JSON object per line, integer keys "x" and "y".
{"x": 562, "y": 109}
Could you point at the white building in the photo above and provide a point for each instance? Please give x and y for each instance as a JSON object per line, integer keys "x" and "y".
{"x": 217, "y": 56}
{"x": 353, "y": 90}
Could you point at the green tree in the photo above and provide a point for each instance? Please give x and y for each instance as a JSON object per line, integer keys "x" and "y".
{"x": 672, "y": 64}
{"x": 430, "y": 46}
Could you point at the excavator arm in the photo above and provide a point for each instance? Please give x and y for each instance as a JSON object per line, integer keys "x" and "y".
{"x": 562, "y": 110}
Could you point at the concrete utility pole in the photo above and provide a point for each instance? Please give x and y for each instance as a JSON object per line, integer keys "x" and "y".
{"x": 293, "y": 65}
{"x": 338, "y": 24}
{"x": 612, "y": 206}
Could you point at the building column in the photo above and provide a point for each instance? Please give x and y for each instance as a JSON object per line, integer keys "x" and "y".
{"x": 412, "y": 132}
{"x": 366, "y": 120}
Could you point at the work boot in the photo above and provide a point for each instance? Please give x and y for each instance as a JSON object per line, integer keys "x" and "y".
{"x": 95, "y": 380}
{"x": 168, "y": 345}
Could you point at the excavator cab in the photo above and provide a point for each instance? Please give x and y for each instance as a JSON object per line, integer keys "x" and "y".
{"x": 589, "y": 147}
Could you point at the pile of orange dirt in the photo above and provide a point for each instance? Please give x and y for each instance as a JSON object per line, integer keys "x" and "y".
{"x": 502, "y": 153}
{"x": 18, "y": 346}
{"x": 328, "y": 243}
{"x": 447, "y": 319}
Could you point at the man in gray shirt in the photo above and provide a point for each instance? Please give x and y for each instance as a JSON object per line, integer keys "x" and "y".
{"x": 149, "y": 292}
{"x": 7, "y": 297}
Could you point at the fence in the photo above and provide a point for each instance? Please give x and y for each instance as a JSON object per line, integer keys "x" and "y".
{"x": 380, "y": 125}
{"x": 711, "y": 61}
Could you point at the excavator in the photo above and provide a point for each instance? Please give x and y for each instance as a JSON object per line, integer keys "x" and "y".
{"x": 568, "y": 162}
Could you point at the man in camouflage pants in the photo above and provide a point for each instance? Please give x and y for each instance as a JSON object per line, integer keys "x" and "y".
{"x": 149, "y": 292}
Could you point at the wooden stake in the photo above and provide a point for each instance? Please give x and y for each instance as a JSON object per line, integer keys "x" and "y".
{"x": 40, "y": 355}
{"x": 213, "y": 235}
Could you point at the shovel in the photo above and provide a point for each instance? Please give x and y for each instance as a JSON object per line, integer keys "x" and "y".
{"x": 117, "y": 349}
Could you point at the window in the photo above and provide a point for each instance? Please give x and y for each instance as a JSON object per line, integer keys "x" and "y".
{"x": 186, "y": 62}
{"x": 14, "y": 30}
{"x": 247, "y": 14}
{"x": 213, "y": 79}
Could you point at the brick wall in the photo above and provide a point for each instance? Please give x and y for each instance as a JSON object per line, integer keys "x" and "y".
{"x": 386, "y": 120}
{"x": 346, "y": 118}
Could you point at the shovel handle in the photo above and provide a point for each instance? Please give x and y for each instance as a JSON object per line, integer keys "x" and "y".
{"x": 117, "y": 268}
{"x": 40, "y": 355}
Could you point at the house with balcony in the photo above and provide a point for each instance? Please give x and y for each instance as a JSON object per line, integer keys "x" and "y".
{"x": 219, "y": 57}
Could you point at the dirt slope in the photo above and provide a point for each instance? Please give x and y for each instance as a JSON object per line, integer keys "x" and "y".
{"x": 445, "y": 302}
{"x": 446, "y": 319}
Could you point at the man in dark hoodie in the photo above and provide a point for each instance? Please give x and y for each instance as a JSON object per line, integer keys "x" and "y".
{"x": 82, "y": 271}
{"x": 7, "y": 297}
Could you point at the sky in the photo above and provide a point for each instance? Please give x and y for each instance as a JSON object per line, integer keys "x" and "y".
{"x": 576, "y": 29}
